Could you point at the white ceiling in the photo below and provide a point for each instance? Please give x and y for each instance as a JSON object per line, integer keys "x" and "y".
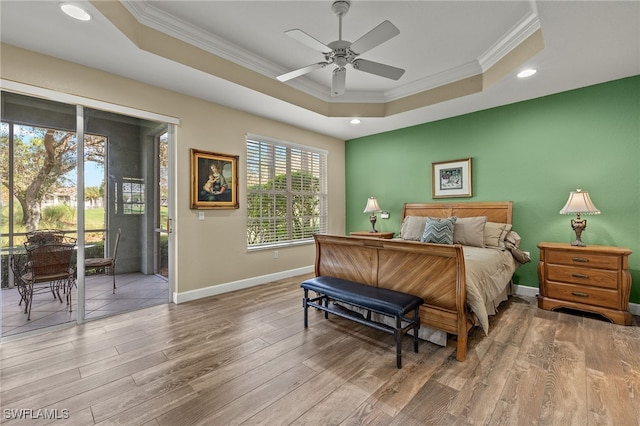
{"x": 586, "y": 42}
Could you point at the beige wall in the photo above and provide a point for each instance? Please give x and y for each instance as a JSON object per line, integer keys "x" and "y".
{"x": 213, "y": 251}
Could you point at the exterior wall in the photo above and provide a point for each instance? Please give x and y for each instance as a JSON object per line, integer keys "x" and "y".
{"x": 532, "y": 153}
{"x": 211, "y": 252}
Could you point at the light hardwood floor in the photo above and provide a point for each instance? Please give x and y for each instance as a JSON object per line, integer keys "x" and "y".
{"x": 245, "y": 358}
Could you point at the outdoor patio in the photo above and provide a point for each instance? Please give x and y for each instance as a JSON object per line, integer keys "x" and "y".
{"x": 135, "y": 291}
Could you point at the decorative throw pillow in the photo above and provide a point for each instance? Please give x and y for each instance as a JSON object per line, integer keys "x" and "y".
{"x": 520, "y": 256}
{"x": 412, "y": 228}
{"x": 469, "y": 231}
{"x": 494, "y": 234}
{"x": 439, "y": 231}
{"x": 512, "y": 240}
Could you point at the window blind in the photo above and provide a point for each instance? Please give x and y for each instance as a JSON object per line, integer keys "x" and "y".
{"x": 286, "y": 192}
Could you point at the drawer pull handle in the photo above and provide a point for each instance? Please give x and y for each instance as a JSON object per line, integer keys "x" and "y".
{"x": 576, "y": 293}
{"x": 586, "y": 277}
{"x": 580, "y": 259}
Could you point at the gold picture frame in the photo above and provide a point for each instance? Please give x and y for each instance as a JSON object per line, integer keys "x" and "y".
{"x": 214, "y": 180}
{"x": 450, "y": 179}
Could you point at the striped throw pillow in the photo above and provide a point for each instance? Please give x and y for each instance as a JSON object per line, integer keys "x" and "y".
{"x": 439, "y": 231}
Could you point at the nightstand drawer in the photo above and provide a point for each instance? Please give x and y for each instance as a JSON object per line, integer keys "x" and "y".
{"x": 580, "y": 294}
{"x": 587, "y": 260}
{"x": 584, "y": 276}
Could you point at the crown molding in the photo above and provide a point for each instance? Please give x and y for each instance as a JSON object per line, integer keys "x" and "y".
{"x": 147, "y": 14}
{"x": 522, "y": 30}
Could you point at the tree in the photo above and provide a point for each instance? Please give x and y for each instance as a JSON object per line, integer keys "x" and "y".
{"x": 43, "y": 158}
{"x": 284, "y": 215}
{"x": 93, "y": 194}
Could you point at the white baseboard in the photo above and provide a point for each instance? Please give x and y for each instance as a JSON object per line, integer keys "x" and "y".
{"x": 214, "y": 290}
{"x": 524, "y": 290}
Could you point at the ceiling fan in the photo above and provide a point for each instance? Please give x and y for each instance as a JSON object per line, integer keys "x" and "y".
{"x": 342, "y": 52}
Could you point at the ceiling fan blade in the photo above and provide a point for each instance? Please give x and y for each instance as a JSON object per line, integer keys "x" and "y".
{"x": 338, "y": 81}
{"x": 378, "y": 69}
{"x": 302, "y": 71}
{"x": 375, "y": 37}
{"x": 306, "y": 39}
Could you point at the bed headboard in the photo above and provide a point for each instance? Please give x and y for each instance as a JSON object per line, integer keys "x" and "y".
{"x": 500, "y": 211}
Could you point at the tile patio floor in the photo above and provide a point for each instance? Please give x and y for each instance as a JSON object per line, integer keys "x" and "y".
{"x": 134, "y": 291}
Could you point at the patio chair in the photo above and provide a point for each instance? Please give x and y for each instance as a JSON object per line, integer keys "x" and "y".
{"x": 108, "y": 263}
{"x": 47, "y": 268}
{"x": 44, "y": 236}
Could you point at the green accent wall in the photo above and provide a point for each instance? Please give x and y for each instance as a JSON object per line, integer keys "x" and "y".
{"x": 532, "y": 153}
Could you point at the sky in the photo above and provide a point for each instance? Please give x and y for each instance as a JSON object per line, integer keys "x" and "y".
{"x": 93, "y": 174}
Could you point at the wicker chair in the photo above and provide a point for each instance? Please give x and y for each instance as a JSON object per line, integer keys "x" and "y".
{"x": 44, "y": 236}
{"x": 108, "y": 263}
{"x": 47, "y": 267}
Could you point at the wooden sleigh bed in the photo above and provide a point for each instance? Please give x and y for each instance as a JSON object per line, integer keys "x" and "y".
{"x": 435, "y": 272}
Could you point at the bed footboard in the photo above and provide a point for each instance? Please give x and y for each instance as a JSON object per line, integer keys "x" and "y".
{"x": 434, "y": 272}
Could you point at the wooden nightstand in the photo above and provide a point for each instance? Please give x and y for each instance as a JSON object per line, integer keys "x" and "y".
{"x": 383, "y": 235}
{"x": 592, "y": 278}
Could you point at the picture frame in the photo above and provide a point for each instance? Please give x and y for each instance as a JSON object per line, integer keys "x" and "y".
{"x": 451, "y": 179}
{"x": 214, "y": 180}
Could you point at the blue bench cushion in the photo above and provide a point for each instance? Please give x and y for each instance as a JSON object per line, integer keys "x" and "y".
{"x": 382, "y": 300}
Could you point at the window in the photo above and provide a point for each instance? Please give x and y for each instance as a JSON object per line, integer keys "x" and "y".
{"x": 286, "y": 193}
{"x": 133, "y": 200}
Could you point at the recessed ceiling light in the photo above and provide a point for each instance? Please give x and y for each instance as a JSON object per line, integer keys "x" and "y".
{"x": 75, "y": 12}
{"x": 355, "y": 121}
{"x": 527, "y": 73}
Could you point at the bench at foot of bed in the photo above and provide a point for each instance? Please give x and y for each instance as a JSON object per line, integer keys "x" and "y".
{"x": 383, "y": 301}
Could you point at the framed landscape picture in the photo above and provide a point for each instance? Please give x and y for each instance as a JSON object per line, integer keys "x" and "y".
{"x": 214, "y": 180}
{"x": 451, "y": 179}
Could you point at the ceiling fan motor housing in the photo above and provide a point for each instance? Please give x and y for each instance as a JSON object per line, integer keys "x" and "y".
{"x": 340, "y": 54}
{"x": 340, "y": 7}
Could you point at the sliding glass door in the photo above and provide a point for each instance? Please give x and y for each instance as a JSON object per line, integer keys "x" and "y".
{"x": 131, "y": 187}
{"x": 98, "y": 176}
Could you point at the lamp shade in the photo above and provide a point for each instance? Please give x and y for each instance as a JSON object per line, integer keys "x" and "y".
{"x": 372, "y": 205}
{"x": 579, "y": 202}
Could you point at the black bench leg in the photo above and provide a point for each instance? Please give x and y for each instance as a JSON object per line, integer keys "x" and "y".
{"x": 398, "y": 336}
{"x": 326, "y": 305}
{"x": 416, "y": 327}
{"x": 305, "y": 306}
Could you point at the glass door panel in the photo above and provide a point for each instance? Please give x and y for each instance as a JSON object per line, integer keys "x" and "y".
{"x": 127, "y": 193}
{"x": 38, "y": 173}
{"x": 162, "y": 203}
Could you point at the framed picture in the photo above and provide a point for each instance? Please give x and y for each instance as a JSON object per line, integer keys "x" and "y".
{"x": 451, "y": 179}
{"x": 214, "y": 180}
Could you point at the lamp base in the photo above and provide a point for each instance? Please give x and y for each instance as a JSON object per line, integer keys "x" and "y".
{"x": 373, "y": 220}
{"x": 578, "y": 226}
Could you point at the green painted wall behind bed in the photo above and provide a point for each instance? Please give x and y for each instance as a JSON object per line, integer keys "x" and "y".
{"x": 532, "y": 153}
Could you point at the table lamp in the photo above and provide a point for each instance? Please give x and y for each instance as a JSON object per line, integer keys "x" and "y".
{"x": 372, "y": 207}
{"x": 579, "y": 203}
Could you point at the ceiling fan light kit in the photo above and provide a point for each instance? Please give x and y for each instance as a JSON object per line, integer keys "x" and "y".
{"x": 342, "y": 53}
